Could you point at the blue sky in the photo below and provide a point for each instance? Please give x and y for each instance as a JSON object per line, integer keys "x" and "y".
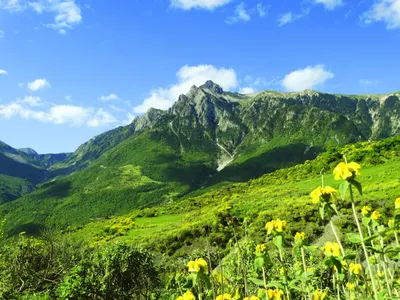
{"x": 70, "y": 70}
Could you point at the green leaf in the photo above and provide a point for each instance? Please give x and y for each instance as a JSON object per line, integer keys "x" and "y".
{"x": 357, "y": 185}
{"x": 259, "y": 263}
{"x": 322, "y": 211}
{"x": 366, "y": 221}
{"x": 257, "y": 281}
{"x": 278, "y": 241}
{"x": 343, "y": 189}
{"x": 354, "y": 238}
{"x": 276, "y": 284}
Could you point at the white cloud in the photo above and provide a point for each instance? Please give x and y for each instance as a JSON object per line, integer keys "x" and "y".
{"x": 306, "y": 78}
{"x": 30, "y": 100}
{"x": 66, "y": 12}
{"x": 3, "y": 72}
{"x": 262, "y": 10}
{"x": 247, "y": 90}
{"x": 56, "y": 114}
{"x": 240, "y": 15}
{"x": 387, "y": 11}
{"x": 101, "y": 118}
{"x": 290, "y": 17}
{"x": 110, "y": 97}
{"x": 163, "y": 98}
{"x": 38, "y": 84}
{"x": 330, "y": 4}
{"x": 2, "y": 34}
{"x": 199, "y": 4}
{"x": 11, "y": 5}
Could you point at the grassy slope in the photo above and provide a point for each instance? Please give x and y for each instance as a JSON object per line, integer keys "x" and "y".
{"x": 284, "y": 194}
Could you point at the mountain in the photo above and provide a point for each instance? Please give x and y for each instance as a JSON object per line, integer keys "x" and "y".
{"x": 207, "y": 137}
{"x": 22, "y": 169}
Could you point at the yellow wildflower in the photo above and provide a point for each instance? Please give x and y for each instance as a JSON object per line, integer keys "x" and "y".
{"x": 326, "y": 193}
{"x": 331, "y": 249}
{"x": 270, "y": 226}
{"x": 280, "y": 225}
{"x": 300, "y": 236}
{"x": 350, "y": 286}
{"x": 356, "y": 269}
{"x": 202, "y": 264}
{"x": 376, "y": 215}
{"x": 224, "y": 297}
{"x": 397, "y": 203}
{"x": 22, "y": 233}
{"x": 260, "y": 248}
{"x": 381, "y": 274}
{"x": 319, "y": 295}
{"x": 275, "y": 294}
{"x": 187, "y": 296}
{"x": 346, "y": 170}
{"x": 193, "y": 267}
{"x": 366, "y": 210}
{"x": 252, "y": 298}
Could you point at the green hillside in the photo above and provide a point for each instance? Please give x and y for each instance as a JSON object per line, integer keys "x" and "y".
{"x": 207, "y": 138}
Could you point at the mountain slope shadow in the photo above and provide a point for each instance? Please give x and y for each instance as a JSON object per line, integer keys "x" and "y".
{"x": 267, "y": 162}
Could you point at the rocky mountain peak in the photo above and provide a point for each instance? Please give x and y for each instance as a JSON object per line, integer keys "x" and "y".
{"x": 210, "y": 85}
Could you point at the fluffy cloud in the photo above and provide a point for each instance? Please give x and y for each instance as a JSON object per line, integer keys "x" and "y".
{"x": 330, "y": 4}
{"x": 3, "y": 72}
{"x": 56, "y": 114}
{"x": 262, "y": 10}
{"x": 111, "y": 97}
{"x": 38, "y": 84}
{"x": 247, "y": 90}
{"x": 290, "y": 17}
{"x": 30, "y": 100}
{"x": 66, "y": 12}
{"x": 387, "y": 11}
{"x": 200, "y": 4}
{"x": 163, "y": 98}
{"x": 307, "y": 78}
{"x": 240, "y": 15}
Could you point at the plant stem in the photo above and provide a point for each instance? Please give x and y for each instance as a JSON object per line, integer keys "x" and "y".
{"x": 385, "y": 268}
{"x": 265, "y": 283}
{"x": 210, "y": 270}
{"x": 303, "y": 258}
{"x": 353, "y": 207}
{"x": 285, "y": 274}
{"x": 337, "y": 237}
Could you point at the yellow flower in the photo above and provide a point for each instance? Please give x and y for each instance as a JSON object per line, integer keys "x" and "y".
{"x": 193, "y": 267}
{"x": 381, "y": 274}
{"x": 260, "y": 248}
{"x": 319, "y": 295}
{"x": 397, "y": 203}
{"x": 252, "y": 298}
{"x": 275, "y": 294}
{"x": 22, "y": 233}
{"x": 375, "y": 215}
{"x": 270, "y": 226}
{"x": 300, "y": 236}
{"x": 344, "y": 170}
{"x": 331, "y": 249}
{"x": 202, "y": 264}
{"x": 280, "y": 225}
{"x": 356, "y": 269}
{"x": 187, "y": 296}
{"x": 224, "y": 297}
{"x": 350, "y": 286}
{"x": 366, "y": 210}
{"x": 326, "y": 193}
